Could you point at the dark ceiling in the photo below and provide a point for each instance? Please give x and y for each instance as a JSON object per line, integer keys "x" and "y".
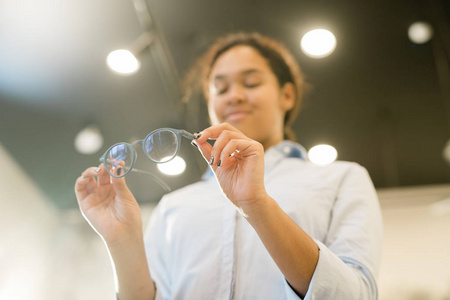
{"x": 381, "y": 100}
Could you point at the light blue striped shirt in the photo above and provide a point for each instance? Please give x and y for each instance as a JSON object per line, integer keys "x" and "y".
{"x": 200, "y": 247}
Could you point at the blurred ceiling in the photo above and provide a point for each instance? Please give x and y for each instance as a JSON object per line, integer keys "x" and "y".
{"x": 379, "y": 99}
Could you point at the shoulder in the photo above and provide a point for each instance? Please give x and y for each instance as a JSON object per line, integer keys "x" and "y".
{"x": 335, "y": 170}
{"x": 341, "y": 168}
{"x": 296, "y": 174}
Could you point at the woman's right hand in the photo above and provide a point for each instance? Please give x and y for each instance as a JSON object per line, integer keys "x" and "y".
{"x": 109, "y": 206}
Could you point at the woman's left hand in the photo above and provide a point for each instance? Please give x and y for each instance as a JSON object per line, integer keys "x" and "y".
{"x": 237, "y": 161}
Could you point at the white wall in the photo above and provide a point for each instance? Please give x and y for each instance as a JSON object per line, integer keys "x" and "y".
{"x": 45, "y": 254}
{"x": 416, "y": 248}
{"x": 26, "y": 230}
{"x": 49, "y": 254}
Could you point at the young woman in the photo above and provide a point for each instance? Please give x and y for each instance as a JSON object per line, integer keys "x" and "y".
{"x": 264, "y": 223}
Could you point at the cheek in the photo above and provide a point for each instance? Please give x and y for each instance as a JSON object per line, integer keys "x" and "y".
{"x": 267, "y": 99}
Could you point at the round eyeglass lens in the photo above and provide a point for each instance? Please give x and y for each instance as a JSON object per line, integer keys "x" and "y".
{"x": 119, "y": 159}
{"x": 161, "y": 146}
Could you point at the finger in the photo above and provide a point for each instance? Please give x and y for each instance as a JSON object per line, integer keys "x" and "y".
{"x": 87, "y": 181}
{"x": 84, "y": 186}
{"x": 214, "y": 132}
{"x": 80, "y": 188}
{"x": 91, "y": 172}
{"x": 205, "y": 149}
{"x": 238, "y": 149}
{"x": 120, "y": 186}
{"x": 225, "y": 137}
{"x": 232, "y": 151}
{"x": 97, "y": 175}
{"x": 91, "y": 184}
{"x": 103, "y": 176}
{"x": 118, "y": 183}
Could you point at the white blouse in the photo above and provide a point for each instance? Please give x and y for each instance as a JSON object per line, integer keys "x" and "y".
{"x": 199, "y": 246}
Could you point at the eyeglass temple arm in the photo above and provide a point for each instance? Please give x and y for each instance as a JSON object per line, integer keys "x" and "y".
{"x": 159, "y": 181}
{"x": 187, "y": 134}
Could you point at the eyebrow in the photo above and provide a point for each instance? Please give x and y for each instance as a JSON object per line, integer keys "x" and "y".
{"x": 245, "y": 72}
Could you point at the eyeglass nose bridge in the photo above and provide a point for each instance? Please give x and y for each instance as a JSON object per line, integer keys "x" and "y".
{"x": 137, "y": 143}
{"x": 133, "y": 144}
{"x": 134, "y": 154}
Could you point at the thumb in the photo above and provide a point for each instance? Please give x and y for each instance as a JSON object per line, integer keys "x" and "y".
{"x": 120, "y": 186}
{"x": 205, "y": 149}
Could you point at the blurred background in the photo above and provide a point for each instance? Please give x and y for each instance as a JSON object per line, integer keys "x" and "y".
{"x": 381, "y": 97}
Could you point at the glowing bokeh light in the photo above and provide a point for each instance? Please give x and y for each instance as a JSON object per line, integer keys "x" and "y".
{"x": 89, "y": 140}
{"x": 174, "y": 167}
{"x": 322, "y": 154}
{"x": 318, "y": 43}
{"x": 123, "y": 62}
{"x": 420, "y": 32}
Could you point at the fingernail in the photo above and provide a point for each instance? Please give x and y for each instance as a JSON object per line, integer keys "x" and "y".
{"x": 197, "y": 137}
{"x": 211, "y": 160}
{"x": 119, "y": 171}
{"x": 97, "y": 170}
{"x": 84, "y": 177}
{"x": 194, "y": 144}
{"x": 218, "y": 164}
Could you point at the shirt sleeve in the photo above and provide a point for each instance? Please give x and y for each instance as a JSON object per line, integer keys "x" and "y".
{"x": 350, "y": 255}
{"x": 154, "y": 247}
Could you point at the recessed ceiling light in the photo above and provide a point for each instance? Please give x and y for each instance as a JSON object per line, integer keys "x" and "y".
{"x": 318, "y": 43}
{"x": 89, "y": 140}
{"x": 420, "y": 32}
{"x": 175, "y": 166}
{"x": 123, "y": 62}
{"x": 322, "y": 154}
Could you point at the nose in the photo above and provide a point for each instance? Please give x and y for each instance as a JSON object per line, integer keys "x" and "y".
{"x": 236, "y": 94}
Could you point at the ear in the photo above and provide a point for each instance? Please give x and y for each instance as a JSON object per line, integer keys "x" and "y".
{"x": 287, "y": 96}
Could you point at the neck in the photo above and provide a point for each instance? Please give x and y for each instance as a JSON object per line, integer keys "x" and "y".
{"x": 271, "y": 142}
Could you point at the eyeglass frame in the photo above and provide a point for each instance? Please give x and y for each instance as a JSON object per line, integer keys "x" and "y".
{"x": 178, "y": 133}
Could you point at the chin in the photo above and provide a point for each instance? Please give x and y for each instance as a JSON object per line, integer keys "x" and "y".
{"x": 238, "y": 124}
{"x": 243, "y": 126}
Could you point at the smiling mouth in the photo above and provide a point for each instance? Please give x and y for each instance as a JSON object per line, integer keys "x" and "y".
{"x": 236, "y": 115}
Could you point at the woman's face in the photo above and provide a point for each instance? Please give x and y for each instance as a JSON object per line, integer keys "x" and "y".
{"x": 244, "y": 92}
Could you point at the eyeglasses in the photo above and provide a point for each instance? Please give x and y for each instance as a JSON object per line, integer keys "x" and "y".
{"x": 160, "y": 146}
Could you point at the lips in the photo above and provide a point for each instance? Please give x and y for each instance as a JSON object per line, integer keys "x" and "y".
{"x": 235, "y": 115}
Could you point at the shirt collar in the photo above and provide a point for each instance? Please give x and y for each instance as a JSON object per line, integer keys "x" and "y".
{"x": 274, "y": 154}
{"x": 289, "y": 149}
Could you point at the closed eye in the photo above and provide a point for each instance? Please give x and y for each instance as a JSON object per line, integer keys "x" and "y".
{"x": 219, "y": 86}
{"x": 221, "y": 90}
{"x": 252, "y": 85}
{"x": 252, "y": 79}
